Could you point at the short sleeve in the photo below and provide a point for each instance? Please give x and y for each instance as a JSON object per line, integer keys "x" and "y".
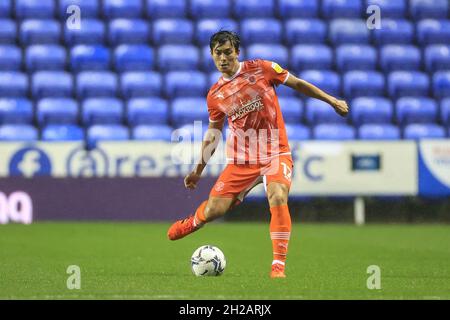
{"x": 274, "y": 73}
{"x": 214, "y": 112}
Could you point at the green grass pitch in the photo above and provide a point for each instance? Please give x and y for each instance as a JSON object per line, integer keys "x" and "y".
{"x": 136, "y": 261}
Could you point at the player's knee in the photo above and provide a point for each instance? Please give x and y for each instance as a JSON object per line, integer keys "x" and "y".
{"x": 277, "y": 198}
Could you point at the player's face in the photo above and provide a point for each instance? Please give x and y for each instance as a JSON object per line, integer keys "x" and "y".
{"x": 225, "y": 58}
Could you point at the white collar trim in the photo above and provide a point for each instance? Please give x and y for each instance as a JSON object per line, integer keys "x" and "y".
{"x": 233, "y": 76}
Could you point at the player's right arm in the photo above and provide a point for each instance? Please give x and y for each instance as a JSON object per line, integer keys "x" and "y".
{"x": 209, "y": 145}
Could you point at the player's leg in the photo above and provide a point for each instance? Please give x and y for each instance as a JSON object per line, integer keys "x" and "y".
{"x": 231, "y": 183}
{"x": 207, "y": 211}
{"x": 278, "y": 185}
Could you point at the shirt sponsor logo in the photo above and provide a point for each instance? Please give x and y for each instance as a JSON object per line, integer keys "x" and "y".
{"x": 246, "y": 107}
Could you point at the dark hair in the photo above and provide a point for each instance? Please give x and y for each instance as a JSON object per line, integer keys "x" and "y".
{"x": 223, "y": 36}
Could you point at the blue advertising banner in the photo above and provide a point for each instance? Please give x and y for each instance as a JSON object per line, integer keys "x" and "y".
{"x": 434, "y": 167}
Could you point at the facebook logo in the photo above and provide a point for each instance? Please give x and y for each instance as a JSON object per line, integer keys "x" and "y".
{"x": 30, "y": 162}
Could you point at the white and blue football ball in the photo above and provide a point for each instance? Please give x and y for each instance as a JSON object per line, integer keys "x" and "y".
{"x": 208, "y": 261}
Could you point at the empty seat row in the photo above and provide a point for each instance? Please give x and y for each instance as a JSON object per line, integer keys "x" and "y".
{"x": 184, "y": 31}
{"x": 194, "y": 83}
{"x": 96, "y": 133}
{"x": 136, "y": 111}
{"x": 97, "y": 84}
{"x": 143, "y": 57}
{"x": 415, "y": 9}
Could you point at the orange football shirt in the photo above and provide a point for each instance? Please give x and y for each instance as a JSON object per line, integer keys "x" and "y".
{"x": 248, "y": 99}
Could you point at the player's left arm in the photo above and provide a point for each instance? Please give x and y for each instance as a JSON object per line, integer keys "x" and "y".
{"x": 306, "y": 88}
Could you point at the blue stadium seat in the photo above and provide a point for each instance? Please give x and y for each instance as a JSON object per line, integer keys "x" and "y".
{"x": 56, "y": 111}
{"x": 96, "y": 84}
{"x": 407, "y": 83}
{"x": 341, "y": 9}
{"x": 261, "y": 31}
{"x": 92, "y": 31}
{"x": 298, "y": 8}
{"x": 88, "y": 8}
{"x": 428, "y": 9}
{"x": 102, "y": 111}
{"x": 18, "y": 132}
{"x": 318, "y": 111}
{"x": 133, "y": 57}
{"x": 62, "y": 132}
{"x": 393, "y": 31}
{"x": 89, "y": 57}
{"x": 292, "y": 109}
{"x": 13, "y": 84}
{"x": 441, "y": 84}
{"x": 356, "y": 57}
{"x": 185, "y": 84}
{"x": 363, "y": 83}
{"x": 271, "y": 52}
{"x": 159, "y": 132}
{"x": 200, "y": 9}
{"x": 379, "y": 131}
{"x": 5, "y": 8}
{"x": 45, "y": 57}
{"x": 333, "y": 132}
{"x": 178, "y": 57}
{"x": 188, "y": 110}
{"x": 51, "y": 84}
{"x": 437, "y": 57}
{"x": 18, "y": 110}
{"x": 159, "y": 9}
{"x": 348, "y": 31}
{"x": 106, "y": 132}
{"x": 285, "y": 91}
{"x": 254, "y": 9}
{"x": 207, "y": 63}
{"x": 371, "y": 110}
{"x": 431, "y": 31}
{"x": 147, "y": 111}
{"x": 128, "y": 31}
{"x": 10, "y": 57}
{"x": 297, "y": 132}
{"x": 173, "y": 31}
{"x": 418, "y": 131}
{"x": 444, "y": 116}
{"x": 304, "y": 31}
{"x": 32, "y": 9}
{"x": 213, "y": 78}
{"x": 327, "y": 80}
{"x": 8, "y": 31}
{"x": 39, "y": 32}
{"x": 141, "y": 84}
{"x": 190, "y": 132}
{"x": 416, "y": 110}
{"x": 311, "y": 57}
{"x": 399, "y": 57}
{"x": 205, "y": 28}
{"x": 113, "y": 9}
{"x": 390, "y": 8}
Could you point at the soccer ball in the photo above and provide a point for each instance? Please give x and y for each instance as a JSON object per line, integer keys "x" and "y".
{"x": 208, "y": 261}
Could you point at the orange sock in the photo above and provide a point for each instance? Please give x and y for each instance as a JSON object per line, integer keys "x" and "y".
{"x": 199, "y": 214}
{"x": 280, "y": 232}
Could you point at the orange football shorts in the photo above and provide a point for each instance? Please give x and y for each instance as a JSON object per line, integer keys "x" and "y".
{"x": 238, "y": 179}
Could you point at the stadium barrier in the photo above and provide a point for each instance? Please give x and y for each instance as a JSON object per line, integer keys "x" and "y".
{"x": 137, "y": 180}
